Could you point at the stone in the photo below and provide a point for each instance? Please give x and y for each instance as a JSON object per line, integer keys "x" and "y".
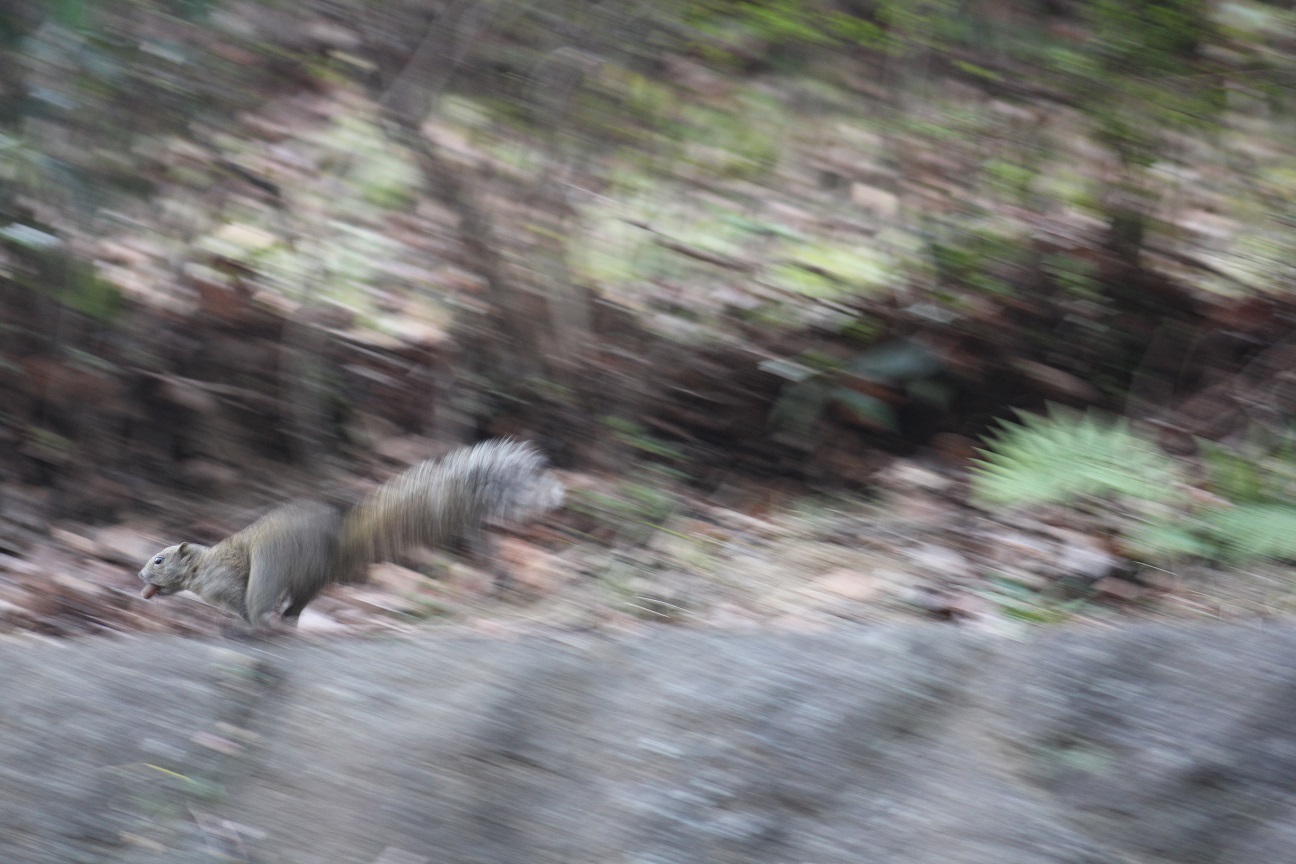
{"x": 904, "y": 744}
{"x": 1086, "y": 557}
{"x": 939, "y": 561}
{"x": 850, "y": 584}
{"x": 880, "y": 203}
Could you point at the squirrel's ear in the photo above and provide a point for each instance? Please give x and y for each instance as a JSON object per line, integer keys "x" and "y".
{"x": 184, "y": 550}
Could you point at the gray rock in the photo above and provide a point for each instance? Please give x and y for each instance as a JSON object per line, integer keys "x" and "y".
{"x": 900, "y": 744}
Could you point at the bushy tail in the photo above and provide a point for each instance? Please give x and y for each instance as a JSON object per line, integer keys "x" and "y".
{"x": 494, "y": 482}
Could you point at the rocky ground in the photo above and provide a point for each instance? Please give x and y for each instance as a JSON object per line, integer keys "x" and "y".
{"x": 909, "y": 744}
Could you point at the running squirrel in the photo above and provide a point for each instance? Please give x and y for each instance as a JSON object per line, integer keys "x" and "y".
{"x": 292, "y": 552}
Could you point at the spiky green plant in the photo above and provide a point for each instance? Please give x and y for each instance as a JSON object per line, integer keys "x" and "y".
{"x": 1254, "y": 530}
{"x": 1068, "y": 457}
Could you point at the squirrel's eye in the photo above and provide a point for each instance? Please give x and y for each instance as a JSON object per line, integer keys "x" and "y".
{"x": 157, "y": 560}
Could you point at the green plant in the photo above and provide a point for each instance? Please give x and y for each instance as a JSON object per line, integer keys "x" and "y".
{"x": 1256, "y": 480}
{"x": 1243, "y": 509}
{"x": 780, "y": 22}
{"x": 975, "y": 253}
{"x": 1069, "y": 456}
{"x": 1252, "y": 530}
{"x": 863, "y": 388}
{"x": 642, "y": 503}
{"x": 1024, "y": 603}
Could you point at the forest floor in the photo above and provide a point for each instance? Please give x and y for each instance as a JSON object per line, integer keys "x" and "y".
{"x": 639, "y": 548}
{"x": 774, "y": 555}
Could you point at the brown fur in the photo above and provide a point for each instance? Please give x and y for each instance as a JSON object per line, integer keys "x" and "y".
{"x": 292, "y": 552}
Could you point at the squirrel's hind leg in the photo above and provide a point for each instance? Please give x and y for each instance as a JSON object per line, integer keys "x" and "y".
{"x": 294, "y": 609}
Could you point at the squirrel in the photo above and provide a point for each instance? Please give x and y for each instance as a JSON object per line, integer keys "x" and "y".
{"x": 292, "y": 552}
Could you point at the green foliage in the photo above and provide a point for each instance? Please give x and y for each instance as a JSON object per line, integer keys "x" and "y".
{"x": 1011, "y": 177}
{"x": 94, "y": 87}
{"x": 738, "y": 144}
{"x": 815, "y": 384}
{"x": 42, "y": 263}
{"x": 1154, "y": 37}
{"x": 1257, "y": 480}
{"x": 382, "y": 175}
{"x": 1075, "y": 275}
{"x": 784, "y": 21}
{"x": 1161, "y": 536}
{"x": 1140, "y": 74}
{"x": 635, "y": 436}
{"x": 1068, "y": 457}
{"x": 919, "y": 25}
{"x": 642, "y": 503}
{"x": 974, "y": 252}
{"x": 1253, "y": 530}
{"x": 826, "y": 270}
{"x": 68, "y": 13}
{"x": 84, "y": 290}
{"x": 1026, "y": 604}
{"x": 1223, "y": 532}
{"x": 191, "y": 10}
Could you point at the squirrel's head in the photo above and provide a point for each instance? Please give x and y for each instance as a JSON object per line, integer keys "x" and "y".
{"x": 168, "y": 571}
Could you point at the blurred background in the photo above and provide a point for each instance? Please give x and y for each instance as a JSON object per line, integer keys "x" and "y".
{"x": 827, "y": 310}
